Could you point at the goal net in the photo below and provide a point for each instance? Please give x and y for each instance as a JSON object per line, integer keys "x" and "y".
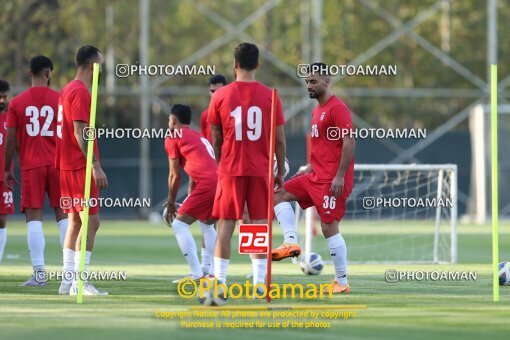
{"x": 401, "y": 213}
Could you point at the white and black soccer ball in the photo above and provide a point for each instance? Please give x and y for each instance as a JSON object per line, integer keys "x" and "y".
{"x": 504, "y": 273}
{"x": 215, "y": 292}
{"x": 163, "y": 214}
{"x": 275, "y": 167}
{"x": 311, "y": 264}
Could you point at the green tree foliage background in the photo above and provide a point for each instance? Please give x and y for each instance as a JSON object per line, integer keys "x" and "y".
{"x": 56, "y": 28}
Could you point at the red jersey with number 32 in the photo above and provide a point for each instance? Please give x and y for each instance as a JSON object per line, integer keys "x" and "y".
{"x": 328, "y": 121}
{"x": 243, "y": 110}
{"x": 194, "y": 152}
{"x": 73, "y": 105}
{"x": 34, "y": 114}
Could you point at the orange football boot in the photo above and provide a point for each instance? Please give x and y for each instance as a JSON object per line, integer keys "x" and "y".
{"x": 286, "y": 250}
{"x": 337, "y": 288}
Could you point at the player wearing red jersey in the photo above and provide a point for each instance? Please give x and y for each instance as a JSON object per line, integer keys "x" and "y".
{"x": 327, "y": 181}
{"x": 240, "y": 115}
{"x": 31, "y": 129}
{"x": 215, "y": 82}
{"x": 70, "y": 158}
{"x": 195, "y": 154}
{"x": 6, "y": 201}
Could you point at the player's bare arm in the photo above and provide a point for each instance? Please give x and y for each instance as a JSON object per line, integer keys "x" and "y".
{"x": 191, "y": 186}
{"x": 305, "y": 171}
{"x": 337, "y": 186}
{"x": 280, "y": 150}
{"x": 10, "y": 148}
{"x": 174, "y": 181}
{"x": 97, "y": 171}
{"x": 217, "y": 137}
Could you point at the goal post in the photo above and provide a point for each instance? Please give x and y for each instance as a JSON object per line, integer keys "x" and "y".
{"x": 396, "y": 213}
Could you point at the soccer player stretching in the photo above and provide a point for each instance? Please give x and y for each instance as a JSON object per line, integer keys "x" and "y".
{"x": 240, "y": 114}
{"x": 195, "y": 154}
{"x": 73, "y": 118}
{"x": 31, "y": 123}
{"x": 6, "y": 201}
{"x": 326, "y": 182}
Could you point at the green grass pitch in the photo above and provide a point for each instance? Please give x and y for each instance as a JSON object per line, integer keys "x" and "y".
{"x": 149, "y": 255}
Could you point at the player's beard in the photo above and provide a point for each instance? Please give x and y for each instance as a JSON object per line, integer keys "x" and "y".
{"x": 3, "y": 106}
{"x": 49, "y": 81}
{"x": 312, "y": 94}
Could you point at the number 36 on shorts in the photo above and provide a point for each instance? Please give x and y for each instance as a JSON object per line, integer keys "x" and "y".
{"x": 329, "y": 202}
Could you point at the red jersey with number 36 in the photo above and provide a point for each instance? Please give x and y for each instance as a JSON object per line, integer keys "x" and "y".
{"x": 194, "y": 152}
{"x": 205, "y": 128}
{"x": 328, "y": 121}
{"x": 34, "y": 114}
{"x": 243, "y": 110}
{"x": 73, "y": 105}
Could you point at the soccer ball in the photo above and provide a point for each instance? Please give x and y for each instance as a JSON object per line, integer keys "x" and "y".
{"x": 163, "y": 214}
{"x": 504, "y": 273}
{"x": 311, "y": 264}
{"x": 213, "y": 296}
{"x": 275, "y": 167}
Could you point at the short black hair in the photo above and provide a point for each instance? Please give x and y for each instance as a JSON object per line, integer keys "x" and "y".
{"x": 4, "y": 86}
{"x": 86, "y": 55}
{"x": 319, "y": 68}
{"x": 39, "y": 63}
{"x": 247, "y": 56}
{"x": 182, "y": 113}
{"x": 218, "y": 79}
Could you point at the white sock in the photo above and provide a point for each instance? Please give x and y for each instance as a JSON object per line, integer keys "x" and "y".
{"x": 62, "y": 226}
{"x": 338, "y": 250}
{"x": 68, "y": 268}
{"x": 3, "y": 241}
{"x": 206, "y": 262}
{"x": 259, "y": 267}
{"x": 221, "y": 268}
{"x": 209, "y": 234}
{"x": 36, "y": 243}
{"x": 187, "y": 245}
{"x": 285, "y": 215}
{"x": 77, "y": 261}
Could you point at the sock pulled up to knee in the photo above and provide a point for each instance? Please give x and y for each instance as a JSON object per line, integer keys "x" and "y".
{"x": 285, "y": 215}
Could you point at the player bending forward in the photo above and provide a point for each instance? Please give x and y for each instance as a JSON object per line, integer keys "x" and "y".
{"x": 326, "y": 182}
{"x": 195, "y": 154}
{"x": 31, "y": 124}
{"x": 240, "y": 114}
{"x": 70, "y": 157}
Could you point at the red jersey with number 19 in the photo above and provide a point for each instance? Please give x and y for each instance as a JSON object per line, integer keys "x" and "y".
{"x": 328, "y": 121}
{"x": 74, "y": 105}
{"x": 243, "y": 110}
{"x": 34, "y": 114}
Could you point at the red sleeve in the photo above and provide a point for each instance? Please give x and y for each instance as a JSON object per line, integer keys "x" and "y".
{"x": 280, "y": 120}
{"x": 213, "y": 115}
{"x": 203, "y": 123}
{"x": 172, "y": 148}
{"x": 80, "y": 105}
{"x": 12, "y": 120}
{"x": 341, "y": 117}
